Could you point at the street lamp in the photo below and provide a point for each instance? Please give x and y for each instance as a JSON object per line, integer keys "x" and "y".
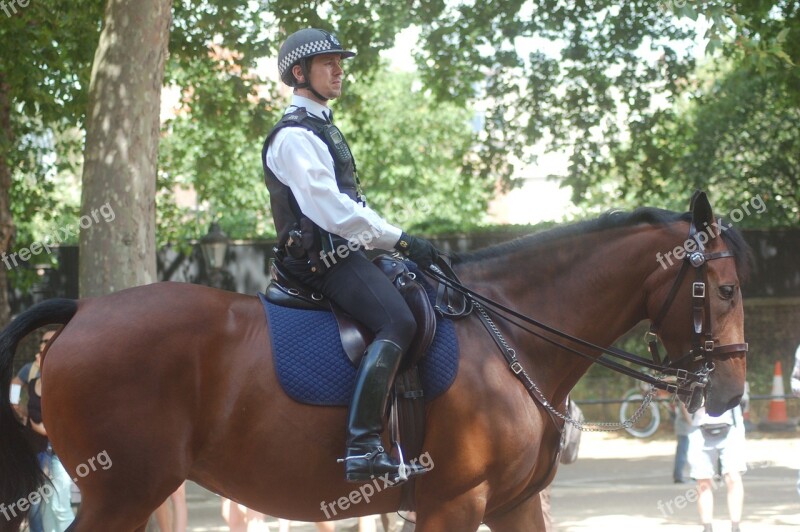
{"x": 214, "y": 247}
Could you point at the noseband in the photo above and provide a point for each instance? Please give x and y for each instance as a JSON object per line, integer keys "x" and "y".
{"x": 704, "y": 347}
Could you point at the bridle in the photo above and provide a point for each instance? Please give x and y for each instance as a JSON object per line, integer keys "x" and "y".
{"x": 704, "y": 347}
{"x": 456, "y": 300}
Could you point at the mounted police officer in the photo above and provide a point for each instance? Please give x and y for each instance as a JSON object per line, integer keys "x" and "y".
{"x": 324, "y": 225}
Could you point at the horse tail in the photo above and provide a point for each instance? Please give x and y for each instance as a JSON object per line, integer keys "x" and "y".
{"x": 21, "y": 475}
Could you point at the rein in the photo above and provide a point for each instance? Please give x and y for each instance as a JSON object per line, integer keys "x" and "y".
{"x": 685, "y": 383}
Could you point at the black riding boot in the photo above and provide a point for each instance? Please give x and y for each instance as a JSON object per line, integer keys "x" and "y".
{"x": 366, "y": 458}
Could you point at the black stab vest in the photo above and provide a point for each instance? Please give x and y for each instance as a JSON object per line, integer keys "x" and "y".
{"x": 286, "y": 213}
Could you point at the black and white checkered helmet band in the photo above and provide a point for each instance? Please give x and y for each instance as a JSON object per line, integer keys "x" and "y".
{"x": 306, "y": 43}
{"x": 305, "y": 50}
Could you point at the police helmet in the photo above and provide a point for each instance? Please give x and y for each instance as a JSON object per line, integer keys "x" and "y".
{"x": 304, "y": 44}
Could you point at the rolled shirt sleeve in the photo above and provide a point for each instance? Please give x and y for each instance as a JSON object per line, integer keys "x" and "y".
{"x": 302, "y": 162}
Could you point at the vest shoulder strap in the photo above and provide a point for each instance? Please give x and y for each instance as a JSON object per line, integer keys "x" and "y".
{"x": 299, "y": 117}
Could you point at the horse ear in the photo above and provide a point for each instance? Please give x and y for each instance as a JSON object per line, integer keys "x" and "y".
{"x": 694, "y": 198}
{"x": 702, "y": 215}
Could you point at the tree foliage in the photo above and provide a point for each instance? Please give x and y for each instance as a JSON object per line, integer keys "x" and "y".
{"x": 591, "y": 77}
{"x": 730, "y": 130}
{"x": 727, "y": 127}
{"x": 599, "y": 77}
{"x": 45, "y": 67}
{"x": 414, "y": 155}
{"x": 213, "y": 145}
{"x": 737, "y": 139}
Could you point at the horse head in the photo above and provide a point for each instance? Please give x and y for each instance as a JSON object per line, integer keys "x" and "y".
{"x": 696, "y": 309}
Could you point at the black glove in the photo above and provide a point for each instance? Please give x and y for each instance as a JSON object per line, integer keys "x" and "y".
{"x": 417, "y": 249}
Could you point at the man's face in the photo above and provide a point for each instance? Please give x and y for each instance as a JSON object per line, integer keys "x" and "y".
{"x": 45, "y": 338}
{"x": 326, "y": 75}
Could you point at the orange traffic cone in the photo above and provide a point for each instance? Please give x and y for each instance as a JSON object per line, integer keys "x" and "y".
{"x": 777, "y": 418}
{"x": 777, "y": 406}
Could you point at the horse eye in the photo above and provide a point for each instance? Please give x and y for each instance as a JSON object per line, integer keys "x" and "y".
{"x": 727, "y": 291}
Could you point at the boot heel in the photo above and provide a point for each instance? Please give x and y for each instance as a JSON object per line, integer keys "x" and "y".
{"x": 359, "y": 477}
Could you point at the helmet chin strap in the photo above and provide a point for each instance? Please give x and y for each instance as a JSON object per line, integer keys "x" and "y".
{"x": 307, "y": 84}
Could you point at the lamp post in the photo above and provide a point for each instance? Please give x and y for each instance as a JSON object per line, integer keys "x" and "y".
{"x": 215, "y": 247}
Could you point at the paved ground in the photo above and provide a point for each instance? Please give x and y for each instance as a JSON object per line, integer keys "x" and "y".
{"x": 621, "y": 484}
{"x": 624, "y": 484}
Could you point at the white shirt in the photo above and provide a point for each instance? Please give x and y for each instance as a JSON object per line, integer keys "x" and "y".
{"x": 301, "y": 161}
{"x": 701, "y": 417}
{"x": 796, "y": 373}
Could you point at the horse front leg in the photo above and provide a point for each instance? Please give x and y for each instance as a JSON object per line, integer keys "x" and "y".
{"x": 525, "y": 517}
{"x": 463, "y": 513}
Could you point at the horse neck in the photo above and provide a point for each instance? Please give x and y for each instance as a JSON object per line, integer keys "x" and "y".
{"x": 589, "y": 285}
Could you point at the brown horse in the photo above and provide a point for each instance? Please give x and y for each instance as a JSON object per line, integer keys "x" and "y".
{"x": 173, "y": 381}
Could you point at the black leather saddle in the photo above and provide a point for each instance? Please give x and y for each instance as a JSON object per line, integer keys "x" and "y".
{"x": 286, "y": 291}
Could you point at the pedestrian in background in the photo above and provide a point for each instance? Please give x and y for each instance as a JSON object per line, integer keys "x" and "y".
{"x": 682, "y": 424}
{"x": 716, "y": 448}
{"x": 19, "y": 401}
{"x": 796, "y": 392}
{"x": 54, "y": 512}
{"x": 173, "y": 514}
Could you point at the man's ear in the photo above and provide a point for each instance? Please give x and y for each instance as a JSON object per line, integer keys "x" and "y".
{"x": 297, "y": 71}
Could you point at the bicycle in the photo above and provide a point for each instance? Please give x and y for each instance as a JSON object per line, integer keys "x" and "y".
{"x": 647, "y": 424}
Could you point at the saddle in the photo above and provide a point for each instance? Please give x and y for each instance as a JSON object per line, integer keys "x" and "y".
{"x": 286, "y": 291}
{"x": 407, "y": 415}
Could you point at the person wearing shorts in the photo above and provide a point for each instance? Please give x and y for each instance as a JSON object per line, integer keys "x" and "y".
{"x": 716, "y": 449}
{"x": 795, "y": 382}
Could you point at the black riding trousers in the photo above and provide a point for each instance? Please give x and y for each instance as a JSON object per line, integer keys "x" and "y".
{"x": 359, "y": 288}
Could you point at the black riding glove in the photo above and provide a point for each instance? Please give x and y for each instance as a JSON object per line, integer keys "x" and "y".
{"x": 417, "y": 249}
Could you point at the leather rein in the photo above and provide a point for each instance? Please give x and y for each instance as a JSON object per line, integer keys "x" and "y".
{"x": 683, "y": 382}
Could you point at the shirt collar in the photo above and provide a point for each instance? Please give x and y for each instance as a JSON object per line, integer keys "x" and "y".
{"x": 314, "y": 108}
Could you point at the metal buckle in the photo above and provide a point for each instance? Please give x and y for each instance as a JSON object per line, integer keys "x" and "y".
{"x": 697, "y": 259}
{"x": 698, "y": 289}
{"x": 516, "y": 367}
{"x": 709, "y": 346}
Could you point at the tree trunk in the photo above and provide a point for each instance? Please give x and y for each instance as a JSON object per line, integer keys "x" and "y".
{"x": 117, "y": 225}
{"x": 7, "y": 227}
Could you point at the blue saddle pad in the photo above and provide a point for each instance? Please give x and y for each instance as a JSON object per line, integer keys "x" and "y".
{"x": 313, "y": 368}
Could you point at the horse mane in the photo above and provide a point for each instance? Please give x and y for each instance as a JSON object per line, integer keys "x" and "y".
{"x": 614, "y": 219}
